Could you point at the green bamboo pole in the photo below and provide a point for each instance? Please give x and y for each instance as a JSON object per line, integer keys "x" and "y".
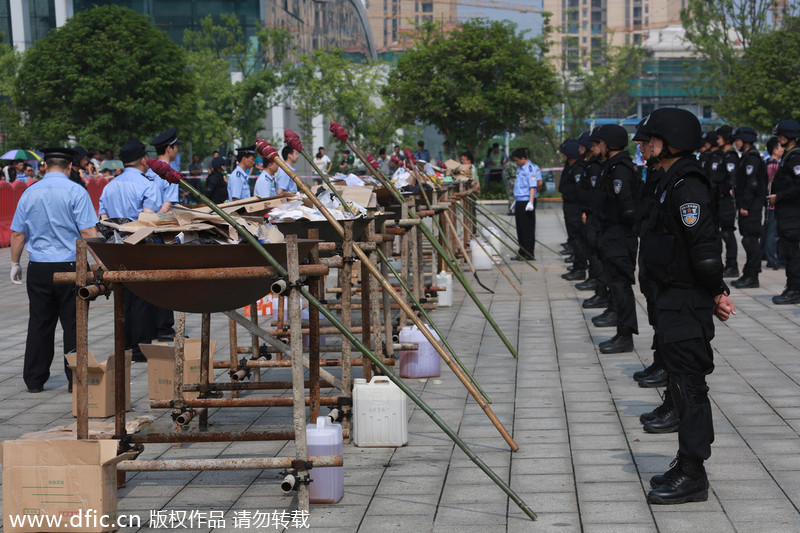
{"x": 456, "y": 271}
{"x": 404, "y": 285}
{"x": 365, "y": 351}
{"x": 515, "y": 251}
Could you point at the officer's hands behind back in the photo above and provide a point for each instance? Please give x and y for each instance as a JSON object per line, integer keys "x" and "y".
{"x": 723, "y": 307}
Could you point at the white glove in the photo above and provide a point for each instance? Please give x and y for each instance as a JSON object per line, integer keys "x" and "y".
{"x": 529, "y": 206}
{"x": 16, "y": 273}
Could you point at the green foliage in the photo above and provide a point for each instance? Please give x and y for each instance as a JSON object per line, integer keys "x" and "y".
{"x": 347, "y": 92}
{"x": 478, "y": 80}
{"x": 228, "y": 110}
{"x": 770, "y": 68}
{"x": 106, "y": 76}
{"x": 720, "y": 31}
{"x": 9, "y": 116}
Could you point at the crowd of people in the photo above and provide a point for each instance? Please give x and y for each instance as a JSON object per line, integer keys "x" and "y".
{"x": 677, "y": 211}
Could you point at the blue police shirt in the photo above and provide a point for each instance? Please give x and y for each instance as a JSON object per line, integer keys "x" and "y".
{"x": 129, "y": 194}
{"x": 528, "y": 177}
{"x": 170, "y": 192}
{"x": 238, "y": 186}
{"x": 284, "y": 181}
{"x": 266, "y": 185}
{"x": 51, "y": 214}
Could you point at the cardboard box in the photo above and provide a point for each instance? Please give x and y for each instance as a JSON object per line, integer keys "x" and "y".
{"x": 101, "y": 385}
{"x": 161, "y": 367}
{"x": 73, "y": 480}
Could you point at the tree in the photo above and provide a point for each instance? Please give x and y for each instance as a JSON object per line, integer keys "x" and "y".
{"x": 721, "y": 31}
{"x": 228, "y": 108}
{"x": 106, "y": 76}
{"x": 9, "y": 116}
{"x": 770, "y": 92}
{"x": 328, "y": 83}
{"x": 475, "y": 81}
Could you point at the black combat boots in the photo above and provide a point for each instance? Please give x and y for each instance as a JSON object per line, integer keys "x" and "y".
{"x": 685, "y": 482}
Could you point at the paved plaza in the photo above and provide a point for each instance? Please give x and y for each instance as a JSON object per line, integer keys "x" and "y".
{"x": 584, "y": 462}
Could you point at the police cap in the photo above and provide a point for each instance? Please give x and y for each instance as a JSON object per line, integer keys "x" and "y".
{"x": 218, "y": 162}
{"x": 246, "y": 151}
{"x": 570, "y": 149}
{"x": 614, "y": 135}
{"x": 58, "y": 152}
{"x": 132, "y": 151}
{"x": 788, "y": 128}
{"x": 584, "y": 140}
{"x": 726, "y": 132}
{"x": 642, "y": 134}
{"x": 166, "y": 138}
{"x": 746, "y": 134}
{"x": 677, "y": 127}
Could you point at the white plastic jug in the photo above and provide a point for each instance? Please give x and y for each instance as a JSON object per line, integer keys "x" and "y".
{"x": 380, "y": 414}
{"x": 480, "y": 260}
{"x": 445, "y": 297}
{"x": 325, "y": 438}
{"x": 421, "y": 363}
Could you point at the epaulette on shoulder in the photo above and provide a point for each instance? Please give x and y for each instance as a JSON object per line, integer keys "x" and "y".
{"x": 678, "y": 183}
{"x": 149, "y": 178}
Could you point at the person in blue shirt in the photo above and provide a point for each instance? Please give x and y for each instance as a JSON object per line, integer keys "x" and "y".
{"x": 51, "y": 215}
{"x": 285, "y": 183}
{"x": 127, "y": 195}
{"x": 133, "y": 191}
{"x": 239, "y": 180}
{"x": 166, "y": 145}
{"x": 266, "y": 184}
{"x": 529, "y": 182}
{"x": 421, "y": 152}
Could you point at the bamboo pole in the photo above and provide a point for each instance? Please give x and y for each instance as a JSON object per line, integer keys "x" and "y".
{"x": 363, "y": 349}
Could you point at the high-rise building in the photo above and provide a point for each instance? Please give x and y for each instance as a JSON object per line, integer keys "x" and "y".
{"x": 583, "y": 27}
{"x": 392, "y": 21}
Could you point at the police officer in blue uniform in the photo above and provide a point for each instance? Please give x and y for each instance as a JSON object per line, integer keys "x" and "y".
{"x": 525, "y": 189}
{"x": 285, "y": 183}
{"x": 682, "y": 254}
{"x": 750, "y": 189}
{"x": 785, "y": 196}
{"x": 127, "y": 195}
{"x": 166, "y": 145}
{"x": 618, "y": 241}
{"x": 239, "y": 180}
{"x": 569, "y": 187}
{"x": 267, "y": 184}
{"x": 49, "y": 218}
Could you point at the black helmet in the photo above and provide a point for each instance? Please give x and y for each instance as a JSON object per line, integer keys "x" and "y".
{"x": 677, "y": 127}
{"x": 726, "y": 132}
{"x": 788, "y": 128}
{"x": 710, "y": 137}
{"x": 593, "y": 135}
{"x": 642, "y": 133}
{"x": 746, "y": 134}
{"x": 614, "y": 135}
{"x": 570, "y": 149}
{"x": 584, "y": 141}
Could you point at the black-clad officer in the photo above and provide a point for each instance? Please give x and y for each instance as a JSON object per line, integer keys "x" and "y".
{"x": 51, "y": 215}
{"x": 786, "y": 199}
{"x": 592, "y": 229}
{"x": 574, "y": 165}
{"x": 681, "y": 251}
{"x": 723, "y": 170}
{"x": 618, "y": 243}
{"x": 750, "y": 189}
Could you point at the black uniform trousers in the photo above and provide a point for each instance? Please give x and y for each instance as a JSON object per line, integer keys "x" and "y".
{"x": 592, "y": 232}
{"x": 140, "y": 323}
{"x": 750, "y": 229}
{"x": 727, "y": 227}
{"x": 574, "y": 226}
{"x": 165, "y": 322}
{"x": 789, "y": 245}
{"x": 619, "y": 259}
{"x": 685, "y": 330}
{"x": 526, "y": 228}
{"x": 49, "y": 303}
{"x": 650, "y": 292}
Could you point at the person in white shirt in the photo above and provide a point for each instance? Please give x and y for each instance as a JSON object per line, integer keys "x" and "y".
{"x": 322, "y": 161}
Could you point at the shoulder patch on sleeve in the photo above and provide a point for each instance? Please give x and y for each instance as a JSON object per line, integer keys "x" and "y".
{"x": 617, "y": 186}
{"x": 731, "y": 167}
{"x": 749, "y": 169}
{"x": 796, "y": 170}
{"x": 690, "y": 214}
